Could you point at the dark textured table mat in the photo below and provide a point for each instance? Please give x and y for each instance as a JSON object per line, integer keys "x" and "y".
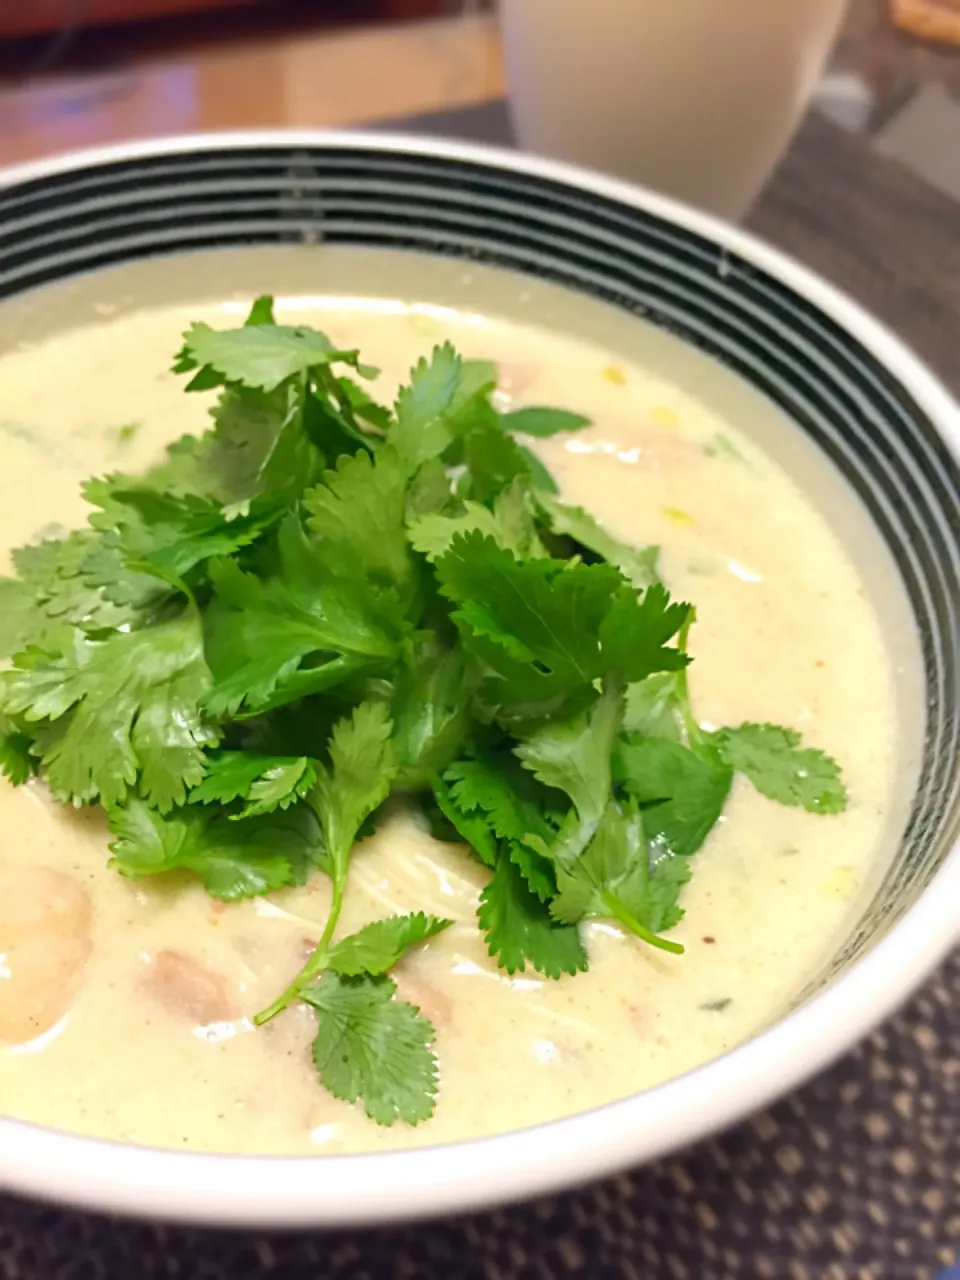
{"x": 854, "y": 1177}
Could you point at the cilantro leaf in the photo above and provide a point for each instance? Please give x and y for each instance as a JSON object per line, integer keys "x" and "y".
{"x": 169, "y": 536}
{"x": 278, "y": 787}
{"x": 378, "y": 946}
{"x": 538, "y": 421}
{"x": 125, "y": 587}
{"x": 362, "y": 404}
{"x": 684, "y": 791}
{"x": 260, "y": 356}
{"x": 537, "y": 871}
{"x": 639, "y": 564}
{"x": 510, "y": 524}
{"x": 261, "y": 311}
{"x": 431, "y": 710}
{"x": 125, "y": 710}
{"x": 17, "y": 622}
{"x": 514, "y": 808}
{"x": 429, "y": 491}
{"x": 614, "y": 879}
{"x": 233, "y": 859}
{"x": 540, "y": 479}
{"x": 653, "y": 707}
{"x": 781, "y": 769}
{"x": 432, "y": 534}
{"x": 494, "y": 460}
{"x": 516, "y": 525}
{"x": 519, "y": 931}
{"x": 472, "y": 406}
{"x": 421, "y": 430}
{"x": 265, "y": 782}
{"x": 259, "y": 444}
{"x": 635, "y": 632}
{"x": 17, "y": 762}
{"x": 358, "y": 515}
{"x": 264, "y": 441}
{"x": 372, "y": 1048}
{"x": 478, "y": 378}
{"x": 186, "y": 467}
{"x": 261, "y": 632}
{"x": 262, "y": 444}
{"x": 329, "y": 421}
{"x": 573, "y": 756}
{"x": 514, "y": 805}
{"x": 356, "y": 781}
{"x": 471, "y": 827}
{"x": 546, "y": 629}
{"x": 54, "y": 586}
{"x": 534, "y": 624}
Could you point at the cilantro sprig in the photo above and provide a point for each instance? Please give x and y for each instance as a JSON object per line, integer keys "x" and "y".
{"x": 325, "y": 602}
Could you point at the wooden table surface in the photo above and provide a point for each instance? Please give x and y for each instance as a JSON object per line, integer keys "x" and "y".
{"x": 325, "y": 77}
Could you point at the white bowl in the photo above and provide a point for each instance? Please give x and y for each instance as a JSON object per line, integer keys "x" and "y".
{"x": 889, "y": 425}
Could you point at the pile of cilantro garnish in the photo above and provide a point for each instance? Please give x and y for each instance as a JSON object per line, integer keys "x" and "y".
{"x": 324, "y": 602}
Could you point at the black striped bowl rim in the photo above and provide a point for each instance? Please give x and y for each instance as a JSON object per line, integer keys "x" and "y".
{"x": 860, "y": 395}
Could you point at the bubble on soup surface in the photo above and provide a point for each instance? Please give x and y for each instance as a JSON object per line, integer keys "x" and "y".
{"x": 45, "y": 940}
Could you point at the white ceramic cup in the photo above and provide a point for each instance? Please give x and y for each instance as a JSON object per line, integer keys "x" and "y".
{"x": 694, "y": 98}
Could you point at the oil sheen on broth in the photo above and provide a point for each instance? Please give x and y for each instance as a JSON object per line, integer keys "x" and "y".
{"x": 139, "y": 1023}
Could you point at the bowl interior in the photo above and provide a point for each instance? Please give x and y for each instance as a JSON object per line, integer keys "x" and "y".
{"x": 846, "y": 423}
{"x": 848, "y": 406}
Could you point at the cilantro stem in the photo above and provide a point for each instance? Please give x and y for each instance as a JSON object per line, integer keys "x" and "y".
{"x": 619, "y": 912}
{"x": 314, "y": 966}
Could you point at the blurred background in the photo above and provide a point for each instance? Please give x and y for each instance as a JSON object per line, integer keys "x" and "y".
{"x": 81, "y": 72}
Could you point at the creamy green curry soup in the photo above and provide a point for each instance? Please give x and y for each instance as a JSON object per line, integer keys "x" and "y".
{"x": 127, "y": 1005}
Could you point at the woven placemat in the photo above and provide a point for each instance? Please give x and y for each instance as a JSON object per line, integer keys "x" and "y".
{"x": 856, "y": 1176}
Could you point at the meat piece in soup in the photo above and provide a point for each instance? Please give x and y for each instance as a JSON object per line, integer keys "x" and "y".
{"x": 187, "y": 989}
{"x": 45, "y": 940}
